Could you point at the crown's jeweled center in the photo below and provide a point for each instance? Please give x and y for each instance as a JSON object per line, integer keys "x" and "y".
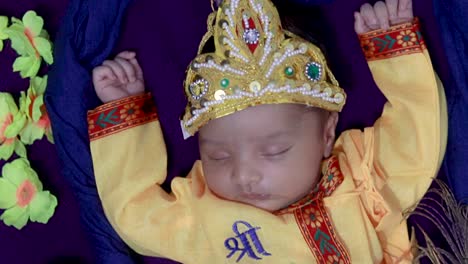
{"x": 251, "y": 36}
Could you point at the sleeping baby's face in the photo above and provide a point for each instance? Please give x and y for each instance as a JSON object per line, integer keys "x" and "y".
{"x": 268, "y": 156}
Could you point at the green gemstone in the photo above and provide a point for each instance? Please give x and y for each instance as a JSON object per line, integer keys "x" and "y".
{"x": 314, "y": 71}
{"x": 224, "y": 83}
{"x": 289, "y": 71}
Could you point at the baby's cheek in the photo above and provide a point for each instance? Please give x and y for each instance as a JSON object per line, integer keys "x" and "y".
{"x": 301, "y": 173}
{"x": 218, "y": 179}
{"x": 278, "y": 174}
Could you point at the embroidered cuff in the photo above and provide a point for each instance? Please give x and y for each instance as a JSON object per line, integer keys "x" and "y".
{"x": 119, "y": 115}
{"x": 397, "y": 41}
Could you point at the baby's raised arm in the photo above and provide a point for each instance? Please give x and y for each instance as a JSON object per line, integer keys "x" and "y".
{"x": 403, "y": 150}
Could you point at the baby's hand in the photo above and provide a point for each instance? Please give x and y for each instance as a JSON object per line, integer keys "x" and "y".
{"x": 383, "y": 15}
{"x": 118, "y": 78}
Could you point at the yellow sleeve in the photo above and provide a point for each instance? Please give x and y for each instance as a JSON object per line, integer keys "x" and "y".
{"x": 409, "y": 138}
{"x": 129, "y": 159}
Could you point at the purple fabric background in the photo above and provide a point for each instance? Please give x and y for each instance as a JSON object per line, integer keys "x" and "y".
{"x": 166, "y": 37}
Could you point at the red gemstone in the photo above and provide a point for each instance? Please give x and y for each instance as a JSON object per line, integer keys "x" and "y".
{"x": 252, "y": 46}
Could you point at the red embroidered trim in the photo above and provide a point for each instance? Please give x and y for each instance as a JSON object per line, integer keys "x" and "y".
{"x": 120, "y": 115}
{"x": 397, "y": 41}
{"x": 313, "y": 220}
{"x": 318, "y": 231}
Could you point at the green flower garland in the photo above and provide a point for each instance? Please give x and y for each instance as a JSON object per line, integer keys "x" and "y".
{"x": 21, "y": 193}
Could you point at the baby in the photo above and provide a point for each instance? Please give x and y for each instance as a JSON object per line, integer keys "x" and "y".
{"x": 273, "y": 185}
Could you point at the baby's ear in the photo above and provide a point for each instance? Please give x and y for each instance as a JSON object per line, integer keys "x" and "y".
{"x": 329, "y": 133}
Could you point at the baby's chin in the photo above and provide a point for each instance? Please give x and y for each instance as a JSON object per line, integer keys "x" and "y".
{"x": 270, "y": 205}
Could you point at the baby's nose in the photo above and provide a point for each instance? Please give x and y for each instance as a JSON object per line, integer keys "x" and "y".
{"x": 246, "y": 175}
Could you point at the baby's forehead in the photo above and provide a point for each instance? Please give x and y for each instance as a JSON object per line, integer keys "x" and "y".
{"x": 276, "y": 111}
{"x": 276, "y": 115}
{"x": 261, "y": 123}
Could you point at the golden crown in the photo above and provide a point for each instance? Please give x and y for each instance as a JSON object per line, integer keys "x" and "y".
{"x": 255, "y": 62}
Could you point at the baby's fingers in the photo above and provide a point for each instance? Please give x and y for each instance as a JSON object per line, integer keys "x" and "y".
{"x": 128, "y": 68}
{"x": 368, "y": 14}
{"x": 117, "y": 69}
{"x": 130, "y": 56}
{"x": 405, "y": 10}
{"x": 359, "y": 25}
{"x": 126, "y": 55}
{"x": 136, "y": 66}
{"x": 382, "y": 14}
{"x": 392, "y": 8}
{"x": 103, "y": 73}
{"x": 405, "y": 5}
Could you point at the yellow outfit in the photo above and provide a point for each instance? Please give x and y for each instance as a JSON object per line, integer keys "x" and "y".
{"x": 357, "y": 218}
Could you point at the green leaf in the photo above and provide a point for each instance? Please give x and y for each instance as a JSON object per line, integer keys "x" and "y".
{"x": 7, "y": 194}
{"x": 13, "y": 129}
{"x": 15, "y": 171}
{"x": 22, "y": 63}
{"x": 31, "y": 133}
{"x": 42, "y": 207}
{"x": 34, "y": 178}
{"x": 16, "y": 21}
{"x": 23, "y": 103}
{"x": 44, "y": 48}
{"x": 15, "y": 216}
{"x": 19, "y": 170}
{"x": 3, "y": 23}
{"x": 20, "y": 149}
{"x": 19, "y": 41}
{"x": 37, "y": 105}
{"x": 39, "y": 84}
{"x": 7, "y": 106}
{"x": 6, "y": 150}
{"x": 50, "y": 135}
{"x": 3, "y": 34}
{"x": 33, "y": 22}
{"x": 28, "y": 66}
{"x": 44, "y": 34}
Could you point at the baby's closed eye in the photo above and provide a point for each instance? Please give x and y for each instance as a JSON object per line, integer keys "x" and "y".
{"x": 275, "y": 151}
{"x": 219, "y": 156}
